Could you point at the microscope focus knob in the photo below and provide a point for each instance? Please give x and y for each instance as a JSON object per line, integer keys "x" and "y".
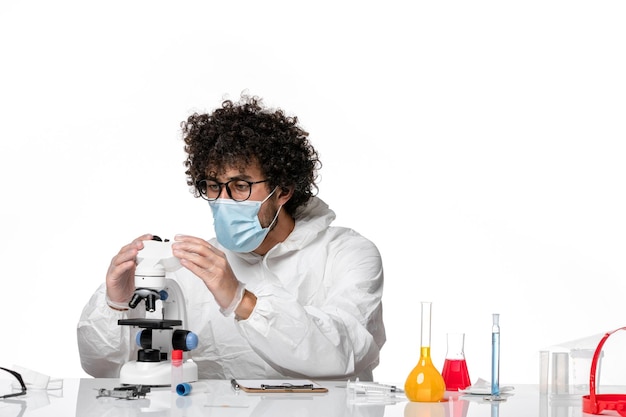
{"x": 149, "y": 355}
{"x": 184, "y": 340}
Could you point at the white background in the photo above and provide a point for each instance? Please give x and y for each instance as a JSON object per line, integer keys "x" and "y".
{"x": 479, "y": 144}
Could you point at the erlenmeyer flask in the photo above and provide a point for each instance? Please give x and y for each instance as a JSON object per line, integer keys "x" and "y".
{"x": 455, "y": 373}
{"x": 425, "y": 383}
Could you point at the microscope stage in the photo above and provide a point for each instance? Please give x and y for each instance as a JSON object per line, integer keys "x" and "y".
{"x": 150, "y": 323}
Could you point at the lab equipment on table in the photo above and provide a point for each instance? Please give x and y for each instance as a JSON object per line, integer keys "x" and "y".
{"x": 495, "y": 355}
{"x": 368, "y": 393}
{"x": 372, "y": 393}
{"x": 495, "y": 358}
{"x": 126, "y": 392}
{"x": 18, "y": 377}
{"x": 425, "y": 383}
{"x": 482, "y": 388}
{"x": 187, "y": 388}
{"x": 177, "y": 369}
{"x": 564, "y": 367}
{"x": 595, "y": 403}
{"x": 268, "y": 386}
{"x": 368, "y": 387}
{"x": 455, "y": 373}
{"x": 161, "y": 334}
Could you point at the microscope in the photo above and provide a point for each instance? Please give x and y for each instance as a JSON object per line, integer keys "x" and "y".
{"x": 160, "y": 335}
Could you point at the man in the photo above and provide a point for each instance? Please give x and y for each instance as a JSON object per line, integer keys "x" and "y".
{"x": 279, "y": 292}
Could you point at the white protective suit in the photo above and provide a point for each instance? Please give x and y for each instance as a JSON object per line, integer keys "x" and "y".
{"x": 318, "y": 312}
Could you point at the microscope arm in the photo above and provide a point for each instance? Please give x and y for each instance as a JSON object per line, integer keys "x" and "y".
{"x": 174, "y": 305}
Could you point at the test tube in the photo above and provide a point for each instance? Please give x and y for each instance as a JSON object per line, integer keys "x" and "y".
{"x": 187, "y": 388}
{"x": 544, "y": 371}
{"x": 495, "y": 356}
{"x": 560, "y": 373}
{"x": 177, "y": 368}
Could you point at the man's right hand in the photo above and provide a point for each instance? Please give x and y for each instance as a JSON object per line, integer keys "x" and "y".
{"x": 120, "y": 279}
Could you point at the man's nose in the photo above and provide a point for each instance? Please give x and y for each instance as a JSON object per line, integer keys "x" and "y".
{"x": 224, "y": 192}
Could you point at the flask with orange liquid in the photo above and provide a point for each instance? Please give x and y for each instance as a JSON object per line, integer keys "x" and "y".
{"x": 425, "y": 383}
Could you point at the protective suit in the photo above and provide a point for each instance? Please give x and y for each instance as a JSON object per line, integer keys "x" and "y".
{"x": 318, "y": 312}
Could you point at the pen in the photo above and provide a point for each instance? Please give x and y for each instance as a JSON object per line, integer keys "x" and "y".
{"x": 287, "y": 386}
{"x": 234, "y": 384}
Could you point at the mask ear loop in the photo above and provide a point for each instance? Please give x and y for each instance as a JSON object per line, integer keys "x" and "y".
{"x": 269, "y": 195}
{"x": 275, "y": 218}
{"x": 277, "y": 212}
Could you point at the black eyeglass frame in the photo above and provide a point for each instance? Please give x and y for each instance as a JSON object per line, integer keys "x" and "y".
{"x": 19, "y": 379}
{"x": 228, "y": 190}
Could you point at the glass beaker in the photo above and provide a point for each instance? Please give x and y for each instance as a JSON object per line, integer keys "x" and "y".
{"x": 455, "y": 372}
{"x": 581, "y": 366}
{"x": 425, "y": 383}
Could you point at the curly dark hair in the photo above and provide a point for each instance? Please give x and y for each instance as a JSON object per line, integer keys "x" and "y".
{"x": 240, "y": 133}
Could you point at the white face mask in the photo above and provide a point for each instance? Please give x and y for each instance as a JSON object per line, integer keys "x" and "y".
{"x": 237, "y": 225}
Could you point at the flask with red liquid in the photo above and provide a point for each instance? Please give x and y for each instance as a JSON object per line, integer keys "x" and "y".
{"x": 455, "y": 372}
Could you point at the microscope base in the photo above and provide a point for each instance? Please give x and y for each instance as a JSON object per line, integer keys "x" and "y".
{"x": 155, "y": 374}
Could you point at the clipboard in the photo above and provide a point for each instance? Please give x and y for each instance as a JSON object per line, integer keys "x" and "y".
{"x": 262, "y": 386}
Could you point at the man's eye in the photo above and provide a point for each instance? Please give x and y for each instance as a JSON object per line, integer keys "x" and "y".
{"x": 241, "y": 186}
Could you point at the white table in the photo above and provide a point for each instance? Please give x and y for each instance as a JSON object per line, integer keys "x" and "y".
{"x": 78, "y": 398}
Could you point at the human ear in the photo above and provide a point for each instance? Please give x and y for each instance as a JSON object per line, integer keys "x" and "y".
{"x": 284, "y": 194}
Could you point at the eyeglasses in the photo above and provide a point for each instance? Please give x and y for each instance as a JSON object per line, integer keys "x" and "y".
{"x": 19, "y": 379}
{"x": 237, "y": 189}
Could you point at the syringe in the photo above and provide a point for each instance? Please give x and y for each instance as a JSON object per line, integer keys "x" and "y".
{"x": 362, "y": 387}
{"x": 363, "y": 393}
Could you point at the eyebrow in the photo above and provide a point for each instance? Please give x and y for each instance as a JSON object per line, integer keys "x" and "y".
{"x": 236, "y": 177}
